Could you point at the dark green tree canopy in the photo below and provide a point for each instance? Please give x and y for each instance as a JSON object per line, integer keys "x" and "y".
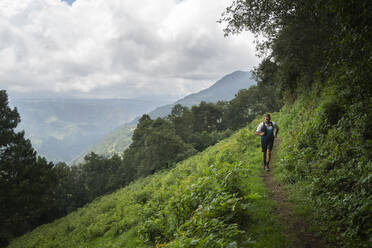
{"x": 9, "y": 119}
{"x": 309, "y": 39}
{"x": 26, "y": 181}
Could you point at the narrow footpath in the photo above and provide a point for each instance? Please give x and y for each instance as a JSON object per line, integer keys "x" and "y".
{"x": 296, "y": 227}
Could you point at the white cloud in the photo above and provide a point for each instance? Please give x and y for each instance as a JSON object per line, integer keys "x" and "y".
{"x": 124, "y": 48}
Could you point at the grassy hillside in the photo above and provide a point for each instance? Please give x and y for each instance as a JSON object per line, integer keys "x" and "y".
{"x": 213, "y": 199}
{"x": 325, "y": 161}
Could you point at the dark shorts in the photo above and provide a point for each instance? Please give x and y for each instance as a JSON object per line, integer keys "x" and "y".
{"x": 267, "y": 144}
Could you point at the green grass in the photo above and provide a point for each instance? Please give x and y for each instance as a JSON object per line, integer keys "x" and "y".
{"x": 323, "y": 163}
{"x": 213, "y": 199}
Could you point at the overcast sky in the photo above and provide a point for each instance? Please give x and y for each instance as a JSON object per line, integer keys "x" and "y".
{"x": 116, "y": 48}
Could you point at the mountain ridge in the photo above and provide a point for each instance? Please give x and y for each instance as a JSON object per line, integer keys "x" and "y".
{"x": 223, "y": 89}
{"x": 212, "y": 93}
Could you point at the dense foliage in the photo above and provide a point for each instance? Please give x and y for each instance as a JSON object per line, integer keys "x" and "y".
{"x": 319, "y": 52}
{"x": 310, "y": 41}
{"x": 326, "y": 153}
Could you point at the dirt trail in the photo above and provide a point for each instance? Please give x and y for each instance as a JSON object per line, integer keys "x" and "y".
{"x": 296, "y": 227}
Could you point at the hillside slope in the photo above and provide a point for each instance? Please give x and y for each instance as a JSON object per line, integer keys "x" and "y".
{"x": 213, "y": 199}
{"x": 325, "y": 161}
{"x": 112, "y": 143}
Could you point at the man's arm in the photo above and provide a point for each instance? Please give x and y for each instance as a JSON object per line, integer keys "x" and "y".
{"x": 276, "y": 130}
{"x": 258, "y": 131}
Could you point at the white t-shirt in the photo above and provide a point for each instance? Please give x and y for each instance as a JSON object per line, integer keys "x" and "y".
{"x": 268, "y": 126}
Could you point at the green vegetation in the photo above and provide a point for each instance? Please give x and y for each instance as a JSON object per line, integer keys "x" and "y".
{"x": 319, "y": 60}
{"x": 217, "y": 198}
{"x": 213, "y": 199}
{"x": 319, "y": 67}
{"x": 324, "y": 153}
{"x": 113, "y": 143}
{"x": 25, "y": 180}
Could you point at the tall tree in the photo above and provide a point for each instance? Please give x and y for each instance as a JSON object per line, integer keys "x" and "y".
{"x": 298, "y": 33}
{"x": 155, "y": 146}
{"x": 182, "y": 119}
{"x": 207, "y": 117}
{"x": 26, "y": 182}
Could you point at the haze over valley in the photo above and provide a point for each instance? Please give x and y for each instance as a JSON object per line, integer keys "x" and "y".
{"x": 60, "y": 128}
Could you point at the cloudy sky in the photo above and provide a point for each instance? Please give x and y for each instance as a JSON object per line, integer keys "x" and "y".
{"x": 116, "y": 48}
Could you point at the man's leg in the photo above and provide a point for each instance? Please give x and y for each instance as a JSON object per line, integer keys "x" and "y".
{"x": 268, "y": 157}
{"x": 268, "y": 153}
{"x": 264, "y": 149}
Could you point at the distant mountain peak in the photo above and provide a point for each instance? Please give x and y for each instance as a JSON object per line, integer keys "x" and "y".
{"x": 236, "y": 74}
{"x": 225, "y": 88}
{"x": 233, "y": 77}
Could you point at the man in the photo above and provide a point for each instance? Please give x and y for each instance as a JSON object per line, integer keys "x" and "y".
{"x": 266, "y": 131}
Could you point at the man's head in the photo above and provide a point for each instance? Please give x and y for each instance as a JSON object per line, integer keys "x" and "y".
{"x": 267, "y": 118}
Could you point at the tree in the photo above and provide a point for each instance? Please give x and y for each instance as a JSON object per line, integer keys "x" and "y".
{"x": 26, "y": 181}
{"x": 182, "y": 119}
{"x": 155, "y": 146}
{"x": 298, "y": 33}
{"x": 69, "y": 193}
{"x": 243, "y": 108}
{"x": 100, "y": 175}
{"x": 207, "y": 117}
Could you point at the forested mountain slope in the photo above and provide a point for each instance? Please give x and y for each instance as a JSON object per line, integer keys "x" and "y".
{"x": 115, "y": 142}
{"x": 224, "y": 89}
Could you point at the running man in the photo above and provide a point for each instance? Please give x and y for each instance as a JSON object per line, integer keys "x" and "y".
{"x": 266, "y": 131}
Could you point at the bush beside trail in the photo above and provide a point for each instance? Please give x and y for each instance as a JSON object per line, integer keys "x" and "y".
{"x": 325, "y": 157}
